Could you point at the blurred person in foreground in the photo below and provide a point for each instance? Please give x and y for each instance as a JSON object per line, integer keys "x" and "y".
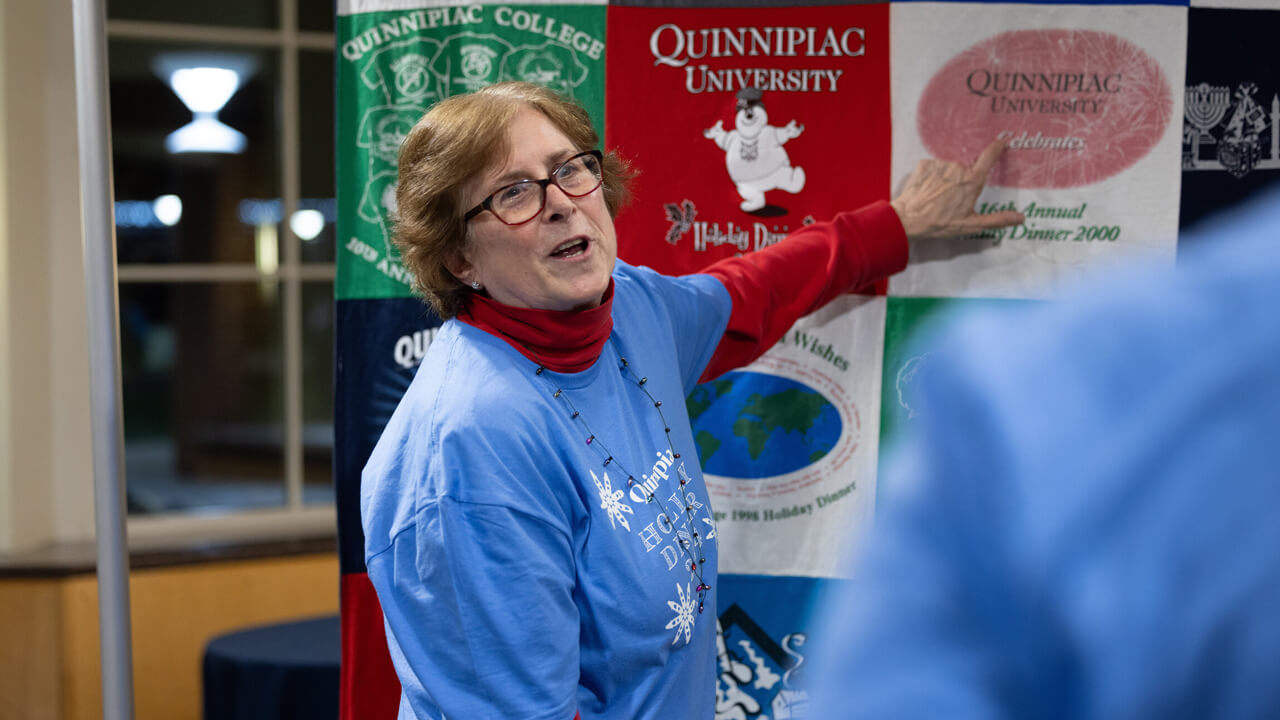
{"x": 1085, "y": 522}
{"x": 539, "y": 545}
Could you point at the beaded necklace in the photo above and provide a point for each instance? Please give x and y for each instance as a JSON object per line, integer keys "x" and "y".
{"x": 664, "y": 514}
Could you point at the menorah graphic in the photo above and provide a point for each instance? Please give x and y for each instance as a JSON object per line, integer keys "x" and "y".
{"x": 1205, "y": 107}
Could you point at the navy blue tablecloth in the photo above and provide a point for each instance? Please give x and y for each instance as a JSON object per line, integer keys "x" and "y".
{"x": 286, "y": 671}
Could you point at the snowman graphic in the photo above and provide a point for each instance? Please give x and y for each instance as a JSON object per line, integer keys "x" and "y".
{"x": 753, "y": 151}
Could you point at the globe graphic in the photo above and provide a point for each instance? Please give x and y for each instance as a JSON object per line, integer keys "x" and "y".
{"x": 753, "y": 425}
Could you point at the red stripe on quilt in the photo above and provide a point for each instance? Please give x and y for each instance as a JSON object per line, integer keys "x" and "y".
{"x": 369, "y": 687}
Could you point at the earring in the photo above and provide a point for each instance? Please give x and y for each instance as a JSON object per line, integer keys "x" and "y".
{"x": 475, "y": 284}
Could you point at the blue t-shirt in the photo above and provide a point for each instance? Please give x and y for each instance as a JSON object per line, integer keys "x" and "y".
{"x": 1086, "y": 522}
{"x": 519, "y": 575}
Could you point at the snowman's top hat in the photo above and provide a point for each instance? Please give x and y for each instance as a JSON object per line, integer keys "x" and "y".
{"x": 749, "y": 96}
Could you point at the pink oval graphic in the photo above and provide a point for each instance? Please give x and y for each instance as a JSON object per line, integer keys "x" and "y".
{"x": 1077, "y": 106}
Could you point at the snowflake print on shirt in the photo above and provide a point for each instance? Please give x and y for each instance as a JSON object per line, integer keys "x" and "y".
{"x": 611, "y": 502}
{"x": 684, "y": 610}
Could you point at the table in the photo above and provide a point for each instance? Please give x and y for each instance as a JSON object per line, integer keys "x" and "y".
{"x": 285, "y": 671}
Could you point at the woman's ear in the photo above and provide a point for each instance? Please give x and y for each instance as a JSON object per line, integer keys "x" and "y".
{"x": 461, "y": 268}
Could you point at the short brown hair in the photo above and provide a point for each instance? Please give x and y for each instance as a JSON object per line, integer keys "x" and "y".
{"x": 456, "y": 140}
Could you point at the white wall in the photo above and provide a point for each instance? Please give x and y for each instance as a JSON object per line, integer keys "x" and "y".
{"x": 46, "y": 484}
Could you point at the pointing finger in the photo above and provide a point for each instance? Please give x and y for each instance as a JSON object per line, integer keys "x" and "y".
{"x": 988, "y": 159}
{"x": 989, "y": 221}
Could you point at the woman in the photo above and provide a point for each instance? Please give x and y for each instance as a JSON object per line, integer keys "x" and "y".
{"x": 536, "y": 523}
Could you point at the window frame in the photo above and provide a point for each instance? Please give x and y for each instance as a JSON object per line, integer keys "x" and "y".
{"x": 293, "y": 517}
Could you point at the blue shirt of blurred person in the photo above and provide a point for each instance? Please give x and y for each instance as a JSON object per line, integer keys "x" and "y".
{"x": 1085, "y": 522}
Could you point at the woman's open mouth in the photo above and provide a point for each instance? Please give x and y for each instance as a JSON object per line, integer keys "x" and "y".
{"x": 571, "y": 249}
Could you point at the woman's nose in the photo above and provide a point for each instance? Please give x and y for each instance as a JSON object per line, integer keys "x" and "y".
{"x": 558, "y": 204}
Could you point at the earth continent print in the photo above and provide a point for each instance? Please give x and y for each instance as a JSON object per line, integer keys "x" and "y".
{"x": 753, "y": 425}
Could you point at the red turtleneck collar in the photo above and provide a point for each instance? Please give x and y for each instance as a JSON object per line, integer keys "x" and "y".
{"x": 563, "y": 341}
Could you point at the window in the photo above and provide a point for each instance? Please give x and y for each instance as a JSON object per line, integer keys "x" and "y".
{"x": 222, "y": 134}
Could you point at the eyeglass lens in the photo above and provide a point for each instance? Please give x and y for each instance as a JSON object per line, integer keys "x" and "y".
{"x": 517, "y": 203}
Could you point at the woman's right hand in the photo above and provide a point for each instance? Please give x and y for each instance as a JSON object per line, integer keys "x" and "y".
{"x": 938, "y": 199}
